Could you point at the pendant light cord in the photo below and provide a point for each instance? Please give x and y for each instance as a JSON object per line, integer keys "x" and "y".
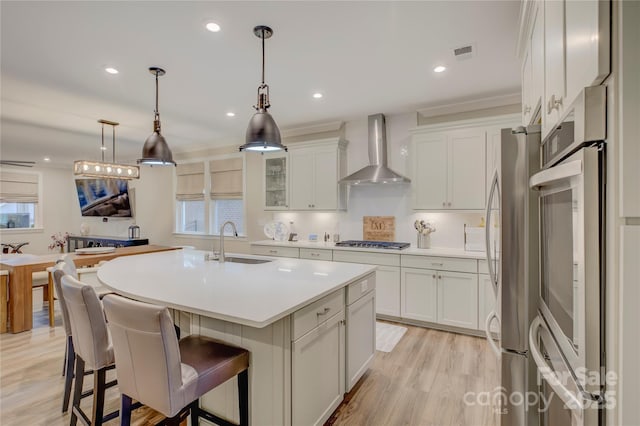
{"x": 263, "y": 56}
{"x": 156, "y": 110}
{"x": 102, "y": 148}
{"x": 113, "y": 128}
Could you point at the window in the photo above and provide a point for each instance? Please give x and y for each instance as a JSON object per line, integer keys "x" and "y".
{"x": 225, "y": 187}
{"x": 19, "y": 197}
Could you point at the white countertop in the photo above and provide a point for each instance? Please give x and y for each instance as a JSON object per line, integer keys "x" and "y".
{"x": 255, "y": 295}
{"x": 443, "y": 252}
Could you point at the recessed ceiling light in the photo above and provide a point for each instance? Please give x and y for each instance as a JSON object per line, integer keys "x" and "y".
{"x": 231, "y": 114}
{"x": 213, "y": 27}
{"x": 111, "y": 70}
{"x": 317, "y": 95}
{"x": 439, "y": 68}
{"x": 47, "y": 159}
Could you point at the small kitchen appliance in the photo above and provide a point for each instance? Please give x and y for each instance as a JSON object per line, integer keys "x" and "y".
{"x": 134, "y": 232}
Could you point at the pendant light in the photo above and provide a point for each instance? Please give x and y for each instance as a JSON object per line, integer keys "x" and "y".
{"x": 100, "y": 169}
{"x": 262, "y": 133}
{"x": 155, "y": 150}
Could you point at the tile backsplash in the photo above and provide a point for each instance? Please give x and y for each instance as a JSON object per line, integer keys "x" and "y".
{"x": 382, "y": 200}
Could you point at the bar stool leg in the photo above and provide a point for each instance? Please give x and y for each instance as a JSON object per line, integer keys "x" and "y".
{"x": 194, "y": 407}
{"x": 68, "y": 372}
{"x": 99, "y": 387}
{"x": 77, "y": 391}
{"x": 125, "y": 410}
{"x": 243, "y": 397}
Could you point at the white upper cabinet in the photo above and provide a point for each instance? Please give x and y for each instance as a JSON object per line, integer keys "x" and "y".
{"x": 554, "y": 70}
{"x": 449, "y": 170}
{"x": 276, "y": 182}
{"x": 430, "y": 166}
{"x": 565, "y": 47}
{"x": 466, "y": 175}
{"x": 587, "y": 34}
{"x": 315, "y": 169}
{"x": 452, "y": 163}
{"x": 533, "y": 67}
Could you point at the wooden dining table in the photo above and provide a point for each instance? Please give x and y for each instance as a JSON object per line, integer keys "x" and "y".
{"x": 21, "y": 267}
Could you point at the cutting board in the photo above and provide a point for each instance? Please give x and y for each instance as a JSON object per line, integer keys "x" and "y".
{"x": 378, "y": 228}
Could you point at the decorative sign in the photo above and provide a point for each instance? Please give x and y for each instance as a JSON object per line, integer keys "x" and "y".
{"x": 378, "y": 228}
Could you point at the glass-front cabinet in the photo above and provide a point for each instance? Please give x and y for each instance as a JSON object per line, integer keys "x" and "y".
{"x": 276, "y": 182}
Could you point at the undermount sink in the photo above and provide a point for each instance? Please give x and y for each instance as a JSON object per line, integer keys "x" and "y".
{"x": 246, "y": 260}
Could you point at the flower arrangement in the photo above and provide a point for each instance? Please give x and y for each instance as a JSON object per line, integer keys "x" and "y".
{"x": 59, "y": 240}
{"x": 424, "y": 228}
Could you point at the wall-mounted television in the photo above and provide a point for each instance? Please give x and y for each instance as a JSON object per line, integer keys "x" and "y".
{"x": 104, "y": 197}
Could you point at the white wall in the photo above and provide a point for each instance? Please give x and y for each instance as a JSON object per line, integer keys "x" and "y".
{"x": 152, "y": 196}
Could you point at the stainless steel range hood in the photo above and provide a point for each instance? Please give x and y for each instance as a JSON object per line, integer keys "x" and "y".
{"x": 377, "y": 172}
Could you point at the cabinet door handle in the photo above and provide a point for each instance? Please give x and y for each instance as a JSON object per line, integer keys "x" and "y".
{"x": 325, "y": 312}
{"x": 526, "y": 109}
{"x": 449, "y": 204}
{"x": 444, "y": 204}
{"x": 439, "y": 277}
{"x": 434, "y": 276}
{"x": 557, "y": 103}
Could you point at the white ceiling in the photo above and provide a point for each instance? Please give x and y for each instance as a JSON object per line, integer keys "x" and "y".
{"x": 366, "y": 57}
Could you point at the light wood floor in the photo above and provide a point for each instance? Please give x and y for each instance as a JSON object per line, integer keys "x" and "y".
{"x": 421, "y": 382}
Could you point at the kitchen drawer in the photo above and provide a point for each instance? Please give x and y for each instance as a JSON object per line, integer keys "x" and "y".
{"x": 440, "y": 263}
{"x": 316, "y": 254}
{"x": 309, "y": 317}
{"x": 368, "y": 258}
{"x": 361, "y": 287}
{"x": 276, "y": 251}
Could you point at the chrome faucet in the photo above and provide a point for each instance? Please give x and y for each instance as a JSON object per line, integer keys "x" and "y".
{"x": 235, "y": 232}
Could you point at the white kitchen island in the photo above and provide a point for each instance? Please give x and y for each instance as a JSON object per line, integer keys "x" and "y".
{"x": 289, "y": 313}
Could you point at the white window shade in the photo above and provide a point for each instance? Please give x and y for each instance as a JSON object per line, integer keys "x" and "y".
{"x": 18, "y": 187}
{"x": 226, "y": 178}
{"x": 190, "y": 182}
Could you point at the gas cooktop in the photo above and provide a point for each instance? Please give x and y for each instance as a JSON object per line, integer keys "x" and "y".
{"x": 388, "y": 245}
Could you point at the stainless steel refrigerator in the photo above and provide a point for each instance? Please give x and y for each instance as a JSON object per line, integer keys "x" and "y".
{"x": 512, "y": 256}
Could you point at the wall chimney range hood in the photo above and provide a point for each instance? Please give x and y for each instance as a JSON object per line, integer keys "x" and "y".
{"x": 377, "y": 172}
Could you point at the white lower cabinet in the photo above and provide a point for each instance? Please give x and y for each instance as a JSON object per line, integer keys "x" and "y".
{"x": 443, "y": 297}
{"x": 360, "y": 329}
{"x": 317, "y": 376}
{"x": 388, "y": 291}
{"x": 486, "y": 302}
{"x": 458, "y": 299}
{"x": 419, "y": 294}
{"x": 387, "y": 277}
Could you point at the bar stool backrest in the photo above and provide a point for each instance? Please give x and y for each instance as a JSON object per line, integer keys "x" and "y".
{"x": 60, "y": 270}
{"x": 88, "y": 326}
{"x": 148, "y": 355}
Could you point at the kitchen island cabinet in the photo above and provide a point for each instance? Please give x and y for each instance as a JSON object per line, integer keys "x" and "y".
{"x": 276, "y": 310}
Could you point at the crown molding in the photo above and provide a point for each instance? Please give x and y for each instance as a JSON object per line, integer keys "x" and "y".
{"x": 471, "y": 105}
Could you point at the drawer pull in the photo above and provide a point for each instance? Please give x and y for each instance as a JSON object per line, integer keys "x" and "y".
{"x": 273, "y": 251}
{"x": 436, "y": 264}
{"x": 325, "y": 312}
{"x": 315, "y": 254}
